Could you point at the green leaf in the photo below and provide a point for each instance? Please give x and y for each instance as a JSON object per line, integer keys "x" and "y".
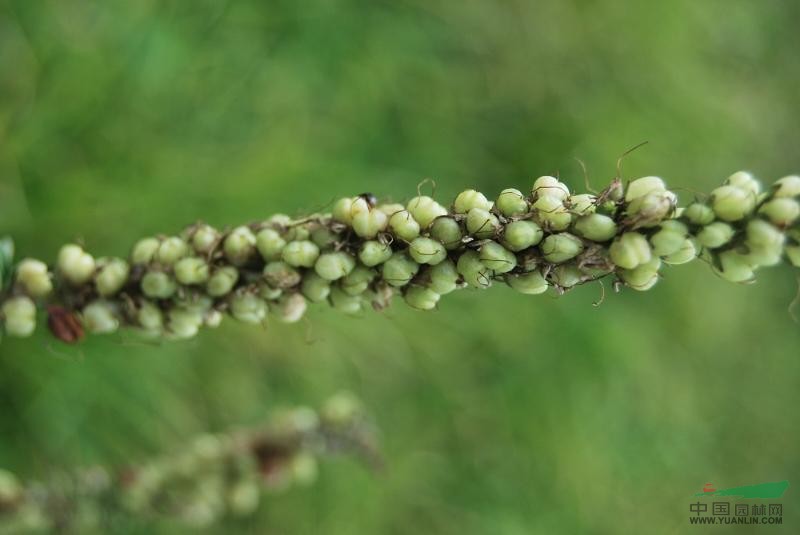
{"x": 6, "y": 261}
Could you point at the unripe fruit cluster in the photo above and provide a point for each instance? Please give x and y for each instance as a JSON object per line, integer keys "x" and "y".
{"x": 365, "y": 252}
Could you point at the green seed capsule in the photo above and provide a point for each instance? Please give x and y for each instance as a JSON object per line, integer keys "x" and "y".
{"x": 497, "y": 258}
{"x": 596, "y": 227}
{"x": 482, "y": 224}
{"x": 145, "y": 250}
{"x": 297, "y": 233}
{"x": 512, "y": 203}
{"x": 369, "y": 223}
{"x": 268, "y": 293}
{"x": 646, "y": 185}
{"x": 391, "y": 208}
{"x": 404, "y": 226}
{"x": 669, "y": 238}
{"x": 158, "y": 285}
{"x": 558, "y": 248}
{"x": 649, "y": 210}
{"x": 566, "y": 276}
{"x": 731, "y": 203}
{"x": 793, "y": 253}
{"x": 427, "y": 251}
{"x": 443, "y": 277}
{"x": 184, "y": 324}
{"x": 281, "y": 275}
{"x": 399, "y": 269}
{"x": 548, "y": 186}
{"x": 765, "y": 243}
{"x": 447, "y": 231}
{"x": 20, "y": 316}
{"x": 204, "y": 239}
{"x": 191, "y": 270}
{"x": 473, "y": 271}
{"x": 421, "y": 298}
{"x": 34, "y": 278}
{"x": 357, "y": 281}
{"x": 270, "y": 244}
{"x": 734, "y": 267}
{"x": 551, "y": 213}
{"x": 334, "y": 266}
{"x": 520, "y": 235}
{"x": 715, "y": 235}
{"x": 630, "y": 250}
{"x": 583, "y": 204}
{"x": 344, "y": 210}
{"x": 171, "y": 250}
{"x": 222, "y": 281}
{"x": 239, "y": 246}
{"x": 112, "y": 276}
{"x": 315, "y": 288}
{"x": 248, "y": 308}
{"x": 322, "y": 237}
{"x": 699, "y": 214}
{"x": 373, "y": 253}
{"x": 642, "y": 277}
{"x": 348, "y": 304}
{"x": 781, "y": 211}
{"x": 149, "y": 316}
{"x": 76, "y": 265}
{"x": 291, "y": 308}
{"x": 745, "y": 181}
{"x": 686, "y": 253}
{"x": 469, "y": 199}
{"x": 425, "y": 210}
{"x": 788, "y": 186}
{"x": 300, "y": 253}
{"x": 531, "y": 283}
{"x": 100, "y": 317}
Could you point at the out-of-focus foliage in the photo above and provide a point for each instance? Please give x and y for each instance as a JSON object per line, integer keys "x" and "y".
{"x": 500, "y": 413}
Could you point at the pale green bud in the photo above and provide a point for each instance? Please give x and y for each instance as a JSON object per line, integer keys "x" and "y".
{"x": 297, "y": 233}
{"x": 270, "y": 244}
{"x": 150, "y": 316}
{"x": 630, "y": 250}
{"x": 321, "y": 236}
{"x": 497, "y": 258}
{"x": 482, "y": 224}
{"x": 427, "y": 251}
{"x": 281, "y": 275}
{"x": 734, "y": 267}
{"x": 642, "y": 277}
{"x": 474, "y": 272}
{"x": 520, "y": 235}
{"x": 222, "y": 281}
{"x": 300, "y": 253}
{"x": 374, "y": 252}
{"x": 583, "y": 204}
{"x": 239, "y": 246}
{"x": 158, "y": 285}
{"x": 369, "y": 223}
{"x": 404, "y": 225}
{"x": 348, "y": 304}
{"x": 357, "y": 281}
{"x": 344, "y": 210}
{"x": 315, "y": 288}
{"x": 291, "y": 308}
{"x": 715, "y": 235}
{"x": 686, "y": 253}
{"x": 248, "y": 308}
{"x": 334, "y": 266}
{"x": 793, "y": 253}
{"x": 443, "y": 277}
{"x": 765, "y": 243}
{"x": 171, "y": 250}
{"x": 145, "y": 250}
{"x": 268, "y": 293}
{"x": 781, "y": 211}
{"x": 183, "y": 324}
{"x": 531, "y": 283}
{"x": 551, "y": 213}
{"x": 204, "y": 239}
{"x": 469, "y": 199}
{"x": 425, "y": 210}
{"x": 646, "y": 185}
{"x": 191, "y": 270}
{"x": 512, "y": 203}
{"x": 699, "y": 214}
{"x": 76, "y": 265}
{"x": 447, "y": 231}
{"x": 649, "y": 210}
{"x": 567, "y": 276}
{"x": 421, "y": 298}
{"x": 746, "y": 181}
{"x": 341, "y": 409}
{"x": 669, "y": 238}
{"x": 243, "y": 498}
{"x": 731, "y": 203}
{"x": 548, "y": 186}
{"x": 788, "y": 186}
{"x": 558, "y": 248}
{"x": 391, "y": 208}
{"x": 112, "y": 276}
{"x": 34, "y": 278}
{"x": 20, "y": 316}
{"x": 100, "y": 317}
{"x": 399, "y": 269}
{"x": 304, "y": 469}
{"x": 596, "y": 227}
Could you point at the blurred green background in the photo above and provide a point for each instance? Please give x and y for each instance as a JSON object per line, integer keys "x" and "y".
{"x": 500, "y": 413}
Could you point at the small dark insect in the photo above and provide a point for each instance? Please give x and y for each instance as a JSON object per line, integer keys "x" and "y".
{"x": 64, "y": 324}
{"x": 371, "y": 199}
